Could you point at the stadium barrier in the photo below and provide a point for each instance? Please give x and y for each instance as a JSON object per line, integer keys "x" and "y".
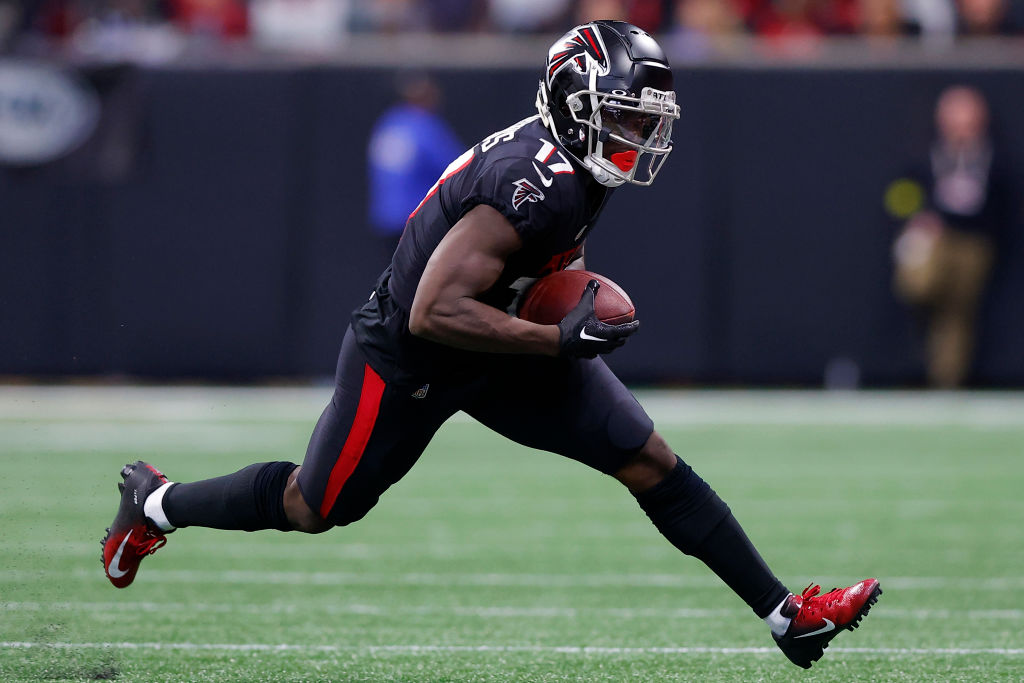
{"x": 213, "y": 224}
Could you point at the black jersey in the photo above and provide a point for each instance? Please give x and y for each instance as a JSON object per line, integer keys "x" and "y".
{"x": 550, "y": 200}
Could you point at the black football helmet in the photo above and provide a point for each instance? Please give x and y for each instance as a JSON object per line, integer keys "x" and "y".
{"x": 607, "y": 97}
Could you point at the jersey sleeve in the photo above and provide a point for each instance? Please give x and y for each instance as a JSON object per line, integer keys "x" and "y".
{"x": 535, "y": 201}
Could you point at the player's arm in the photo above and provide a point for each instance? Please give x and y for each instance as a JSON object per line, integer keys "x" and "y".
{"x": 467, "y": 262}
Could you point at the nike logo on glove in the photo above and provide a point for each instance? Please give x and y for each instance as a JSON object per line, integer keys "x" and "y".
{"x": 588, "y": 337}
{"x": 829, "y": 626}
{"x": 114, "y": 568}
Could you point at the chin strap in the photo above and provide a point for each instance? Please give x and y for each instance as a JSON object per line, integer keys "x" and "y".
{"x": 542, "y": 109}
{"x": 600, "y": 173}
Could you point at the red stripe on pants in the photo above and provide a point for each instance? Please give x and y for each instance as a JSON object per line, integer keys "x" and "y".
{"x": 358, "y": 436}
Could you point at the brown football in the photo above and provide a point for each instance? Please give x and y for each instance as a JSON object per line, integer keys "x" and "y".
{"x": 552, "y": 296}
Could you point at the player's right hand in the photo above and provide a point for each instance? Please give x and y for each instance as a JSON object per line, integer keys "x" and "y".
{"x": 582, "y": 335}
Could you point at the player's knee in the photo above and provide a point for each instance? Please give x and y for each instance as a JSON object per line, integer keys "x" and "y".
{"x": 649, "y": 466}
{"x": 302, "y": 517}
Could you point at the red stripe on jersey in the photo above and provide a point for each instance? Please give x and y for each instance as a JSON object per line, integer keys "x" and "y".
{"x": 437, "y": 186}
{"x": 358, "y": 437}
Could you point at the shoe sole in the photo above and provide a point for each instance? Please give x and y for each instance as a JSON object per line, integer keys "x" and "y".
{"x": 126, "y": 472}
{"x": 808, "y": 661}
{"x": 872, "y": 599}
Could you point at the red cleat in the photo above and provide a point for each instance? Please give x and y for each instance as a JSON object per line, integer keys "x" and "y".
{"x": 817, "y": 619}
{"x": 132, "y": 536}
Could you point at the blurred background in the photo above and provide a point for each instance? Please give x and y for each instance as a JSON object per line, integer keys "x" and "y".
{"x": 202, "y": 190}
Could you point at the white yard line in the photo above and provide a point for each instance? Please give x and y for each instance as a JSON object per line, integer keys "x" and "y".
{"x": 83, "y": 437}
{"x": 481, "y": 611}
{"x": 113, "y": 406}
{"x": 94, "y": 419}
{"x": 532, "y": 649}
{"x": 163, "y": 404}
{"x": 245, "y": 577}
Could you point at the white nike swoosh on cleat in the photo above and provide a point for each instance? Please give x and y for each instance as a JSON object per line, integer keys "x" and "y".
{"x": 584, "y": 335}
{"x": 114, "y": 568}
{"x": 829, "y": 626}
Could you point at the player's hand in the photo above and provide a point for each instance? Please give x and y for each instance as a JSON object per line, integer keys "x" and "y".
{"x": 582, "y": 335}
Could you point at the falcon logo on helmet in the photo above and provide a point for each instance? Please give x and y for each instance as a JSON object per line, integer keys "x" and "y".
{"x": 576, "y": 47}
{"x": 525, "y": 191}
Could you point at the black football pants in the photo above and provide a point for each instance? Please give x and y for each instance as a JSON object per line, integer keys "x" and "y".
{"x": 372, "y": 432}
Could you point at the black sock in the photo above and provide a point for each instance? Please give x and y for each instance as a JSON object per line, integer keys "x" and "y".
{"x": 248, "y": 500}
{"x": 729, "y": 553}
{"x": 697, "y": 522}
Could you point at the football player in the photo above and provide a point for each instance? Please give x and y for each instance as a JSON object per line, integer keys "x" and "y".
{"x": 435, "y": 337}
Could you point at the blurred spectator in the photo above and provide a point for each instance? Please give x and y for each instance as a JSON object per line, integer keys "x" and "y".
{"x": 882, "y": 19}
{"x": 448, "y": 16}
{"x": 531, "y": 16}
{"x": 298, "y": 25}
{"x": 798, "y": 18}
{"x": 156, "y": 30}
{"x": 210, "y": 18}
{"x": 700, "y": 24}
{"x": 56, "y": 18}
{"x": 388, "y": 16}
{"x": 10, "y": 17}
{"x": 591, "y": 10}
{"x": 944, "y": 252}
{"x": 650, "y": 15}
{"x": 983, "y": 17}
{"x": 934, "y": 20}
{"x": 835, "y": 16}
{"x": 409, "y": 149}
{"x": 781, "y": 18}
{"x": 991, "y": 17}
{"x": 125, "y": 29}
{"x": 653, "y": 16}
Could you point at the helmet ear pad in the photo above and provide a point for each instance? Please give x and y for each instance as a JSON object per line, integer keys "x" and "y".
{"x": 570, "y": 134}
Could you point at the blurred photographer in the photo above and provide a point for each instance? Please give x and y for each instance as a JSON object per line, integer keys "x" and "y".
{"x": 944, "y": 252}
{"x": 410, "y": 147}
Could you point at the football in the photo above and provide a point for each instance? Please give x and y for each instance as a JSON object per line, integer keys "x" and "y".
{"x": 554, "y": 295}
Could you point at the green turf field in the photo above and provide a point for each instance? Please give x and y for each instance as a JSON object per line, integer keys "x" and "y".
{"x": 490, "y": 562}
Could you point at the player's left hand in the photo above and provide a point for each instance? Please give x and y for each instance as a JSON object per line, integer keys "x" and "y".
{"x": 582, "y": 335}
